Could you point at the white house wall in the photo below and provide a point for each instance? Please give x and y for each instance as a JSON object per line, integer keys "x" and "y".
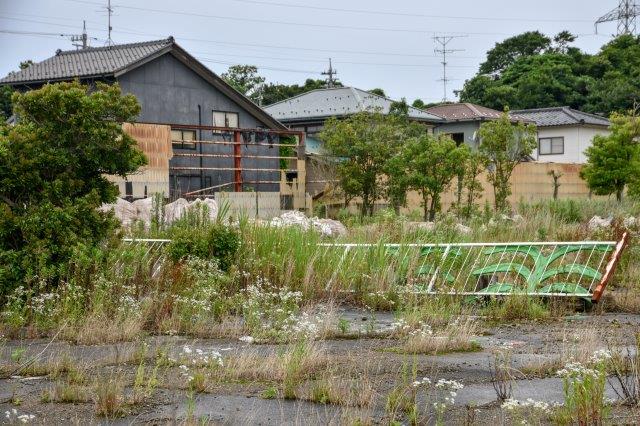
{"x": 576, "y": 140}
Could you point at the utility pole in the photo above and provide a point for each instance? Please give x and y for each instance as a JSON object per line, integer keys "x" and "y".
{"x": 443, "y": 41}
{"x": 625, "y": 14}
{"x": 109, "y": 27}
{"x": 330, "y": 73}
{"x": 76, "y": 39}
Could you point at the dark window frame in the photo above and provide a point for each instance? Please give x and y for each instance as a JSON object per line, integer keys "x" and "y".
{"x": 181, "y": 144}
{"x": 226, "y": 120}
{"x": 550, "y": 139}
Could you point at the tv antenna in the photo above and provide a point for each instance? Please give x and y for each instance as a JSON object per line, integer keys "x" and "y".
{"x": 330, "y": 73}
{"x": 443, "y": 41}
{"x": 80, "y": 41}
{"x": 625, "y": 14}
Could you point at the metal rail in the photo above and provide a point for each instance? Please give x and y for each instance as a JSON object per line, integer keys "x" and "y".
{"x": 554, "y": 269}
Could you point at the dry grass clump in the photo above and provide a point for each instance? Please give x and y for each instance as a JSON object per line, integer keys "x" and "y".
{"x": 343, "y": 391}
{"x": 99, "y": 329}
{"x": 109, "y": 397}
{"x": 622, "y": 300}
{"x": 301, "y": 360}
{"x": 455, "y": 337}
{"x": 577, "y": 346}
{"x": 64, "y": 392}
{"x": 516, "y": 307}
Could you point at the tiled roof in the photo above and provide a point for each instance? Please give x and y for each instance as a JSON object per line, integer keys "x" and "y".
{"x": 339, "y": 101}
{"x": 94, "y": 61}
{"x": 465, "y": 112}
{"x": 561, "y": 116}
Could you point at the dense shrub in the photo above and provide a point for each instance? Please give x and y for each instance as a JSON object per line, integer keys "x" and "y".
{"x": 52, "y": 167}
{"x": 214, "y": 241}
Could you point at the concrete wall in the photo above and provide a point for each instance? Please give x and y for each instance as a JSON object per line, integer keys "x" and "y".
{"x": 467, "y": 127}
{"x": 170, "y": 92}
{"x": 576, "y": 140}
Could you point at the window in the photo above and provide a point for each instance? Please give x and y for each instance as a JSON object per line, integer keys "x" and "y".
{"x": 225, "y": 119}
{"x": 549, "y": 146}
{"x": 458, "y": 138}
{"x": 180, "y": 139}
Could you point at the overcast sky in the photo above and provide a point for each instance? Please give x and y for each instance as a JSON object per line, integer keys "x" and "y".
{"x": 373, "y": 43}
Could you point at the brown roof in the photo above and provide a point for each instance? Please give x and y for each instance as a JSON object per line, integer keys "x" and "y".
{"x": 467, "y": 112}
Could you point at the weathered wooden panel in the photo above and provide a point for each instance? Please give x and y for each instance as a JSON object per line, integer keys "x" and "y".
{"x": 155, "y": 141}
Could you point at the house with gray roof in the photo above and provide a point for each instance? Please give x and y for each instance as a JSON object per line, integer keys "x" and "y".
{"x": 172, "y": 87}
{"x": 309, "y": 111}
{"x": 462, "y": 120}
{"x": 564, "y": 133}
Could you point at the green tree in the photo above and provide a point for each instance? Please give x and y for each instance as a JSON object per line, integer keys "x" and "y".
{"x": 5, "y": 102}
{"x": 246, "y": 80}
{"x": 431, "y": 164}
{"x": 504, "y": 145}
{"x": 508, "y": 51}
{"x": 399, "y": 108}
{"x": 419, "y": 103}
{"x": 473, "y": 167}
{"x": 613, "y": 161}
{"x": 272, "y": 93}
{"x": 364, "y": 143}
{"x": 534, "y": 74}
{"x": 52, "y": 167}
{"x": 378, "y": 91}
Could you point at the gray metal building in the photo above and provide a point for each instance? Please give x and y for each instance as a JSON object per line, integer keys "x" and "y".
{"x": 173, "y": 87}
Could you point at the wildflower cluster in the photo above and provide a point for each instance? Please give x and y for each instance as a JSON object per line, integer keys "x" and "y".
{"x": 204, "y": 297}
{"x": 513, "y": 405}
{"x": 402, "y": 328}
{"x": 269, "y": 310}
{"x": 12, "y": 416}
{"x": 452, "y": 387}
{"x": 584, "y": 390}
{"x": 425, "y": 381}
{"x": 527, "y": 412}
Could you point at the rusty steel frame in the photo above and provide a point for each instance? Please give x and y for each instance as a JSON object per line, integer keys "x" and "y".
{"x": 237, "y": 154}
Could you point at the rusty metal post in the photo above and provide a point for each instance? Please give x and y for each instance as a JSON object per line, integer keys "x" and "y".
{"x": 611, "y": 266}
{"x": 237, "y": 161}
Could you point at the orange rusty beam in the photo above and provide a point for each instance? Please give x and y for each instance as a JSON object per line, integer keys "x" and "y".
{"x": 237, "y": 161}
{"x": 611, "y": 266}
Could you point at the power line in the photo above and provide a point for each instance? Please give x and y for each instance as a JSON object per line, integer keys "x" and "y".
{"x": 443, "y": 41}
{"x": 231, "y": 43}
{"x": 268, "y": 21}
{"x": 408, "y": 14}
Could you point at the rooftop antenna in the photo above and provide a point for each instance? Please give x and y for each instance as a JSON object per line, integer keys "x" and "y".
{"x": 109, "y": 28}
{"x": 76, "y": 39}
{"x": 626, "y": 14}
{"x": 330, "y": 73}
{"x": 443, "y": 41}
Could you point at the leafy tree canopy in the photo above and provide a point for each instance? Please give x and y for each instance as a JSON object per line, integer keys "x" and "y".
{"x": 245, "y": 79}
{"x": 613, "y": 161}
{"x": 508, "y": 51}
{"x": 503, "y": 145}
{"x": 273, "y": 92}
{"x": 378, "y": 91}
{"x": 52, "y": 167}
{"x": 365, "y": 142}
{"x": 430, "y": 165}
{"x": 531, "y": 71}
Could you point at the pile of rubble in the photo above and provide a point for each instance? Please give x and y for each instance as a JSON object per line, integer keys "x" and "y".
{"x": 326, "y": 227}
{"x": 142, "y": 210}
